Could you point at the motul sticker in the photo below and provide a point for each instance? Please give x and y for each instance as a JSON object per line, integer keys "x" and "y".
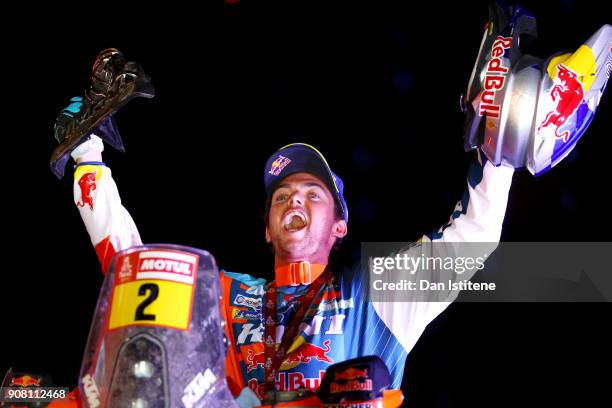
{"x": 175, "y": 266}
{"x": 165, "y": 265}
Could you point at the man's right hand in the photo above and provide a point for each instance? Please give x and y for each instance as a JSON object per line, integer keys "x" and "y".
{"x": 88, "y": 151}
{"x": 66, "y": 117}
{"x": 115, "y": 82}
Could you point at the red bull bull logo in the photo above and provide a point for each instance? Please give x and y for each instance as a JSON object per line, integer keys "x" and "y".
{"x": 351, "y": 374}
{"x": 25, "y": 381}
{"x": 87, "y": 183}
{"x": 308, "y": 351}
{"x": 567, "y": 93}
{"x": 495, "y": 78}
{"x": 278, "y": 165}
{"x": 255, "y": 360}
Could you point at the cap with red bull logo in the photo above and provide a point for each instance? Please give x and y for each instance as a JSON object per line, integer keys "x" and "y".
{"x": 298, "y": 158}
{"x": 360, "y": 379}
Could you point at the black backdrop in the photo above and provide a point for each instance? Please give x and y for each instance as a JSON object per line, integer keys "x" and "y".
{"x": 375, "y": 87}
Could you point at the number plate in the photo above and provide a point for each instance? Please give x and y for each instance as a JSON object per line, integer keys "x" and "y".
{"x": 153, "y": 288}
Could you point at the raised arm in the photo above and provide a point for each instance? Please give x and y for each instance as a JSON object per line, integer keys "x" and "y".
{"x": 477, "y": 218}
{"x": 108, "y": 223}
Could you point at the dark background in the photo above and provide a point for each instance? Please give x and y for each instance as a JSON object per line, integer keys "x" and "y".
{"x": 376, "y": 88}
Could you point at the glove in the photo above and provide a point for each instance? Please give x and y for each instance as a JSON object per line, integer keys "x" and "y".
{"x": 88, "y": 151}
{"x": 90, "y": 148}
{"x": 115, "y": 82}
{"x": 247, "y": 399}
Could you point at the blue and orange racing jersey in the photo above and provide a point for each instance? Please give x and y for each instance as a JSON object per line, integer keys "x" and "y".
{"x": 339, "y": 324}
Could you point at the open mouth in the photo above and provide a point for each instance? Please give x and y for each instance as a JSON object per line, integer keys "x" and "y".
{"x": 294, "y": 220}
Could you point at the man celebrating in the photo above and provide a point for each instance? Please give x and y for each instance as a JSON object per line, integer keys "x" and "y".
{"x": 285, "y": 334}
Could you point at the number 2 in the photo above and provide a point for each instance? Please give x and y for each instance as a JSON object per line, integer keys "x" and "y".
{"x": 153, "y": 293}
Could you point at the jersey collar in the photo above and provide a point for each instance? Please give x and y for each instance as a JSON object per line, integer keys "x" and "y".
{"x": 298, "y": 273}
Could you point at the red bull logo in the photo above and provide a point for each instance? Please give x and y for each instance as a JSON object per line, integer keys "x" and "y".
{"x": 255, "y": 360}
{"x": 353, "y": 385}
{"x": 308, "y": 351}
{"x": 87, "y": 183}
{"x": 351, "y": 381}
{"x": 25, "y": 381}
{"x": 288, "y": 382}
{"x": 351, "y": 374}
{"x": 495, "y": 78}
{"x": 278, "y": 165}
{"x": 568, "y": 93}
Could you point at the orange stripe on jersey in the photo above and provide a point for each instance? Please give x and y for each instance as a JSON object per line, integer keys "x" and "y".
{"x": 232, "y": 361}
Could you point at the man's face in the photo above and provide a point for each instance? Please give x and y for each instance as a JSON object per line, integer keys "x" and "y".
{"x": 302, "y": 224}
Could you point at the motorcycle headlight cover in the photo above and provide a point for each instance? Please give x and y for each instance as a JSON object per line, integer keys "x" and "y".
{"x": 525, "y": 111}
{"x": 156, "y": 340}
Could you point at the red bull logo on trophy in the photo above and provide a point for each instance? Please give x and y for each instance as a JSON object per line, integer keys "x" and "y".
{"x": 278, "y": 165}
{"x": 567, "y": 92}
{"x": 87, "y": 183}
{"x": 495, "y": 78}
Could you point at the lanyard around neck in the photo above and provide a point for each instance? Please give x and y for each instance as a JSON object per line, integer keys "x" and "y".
{"x": 274, "y": 355}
